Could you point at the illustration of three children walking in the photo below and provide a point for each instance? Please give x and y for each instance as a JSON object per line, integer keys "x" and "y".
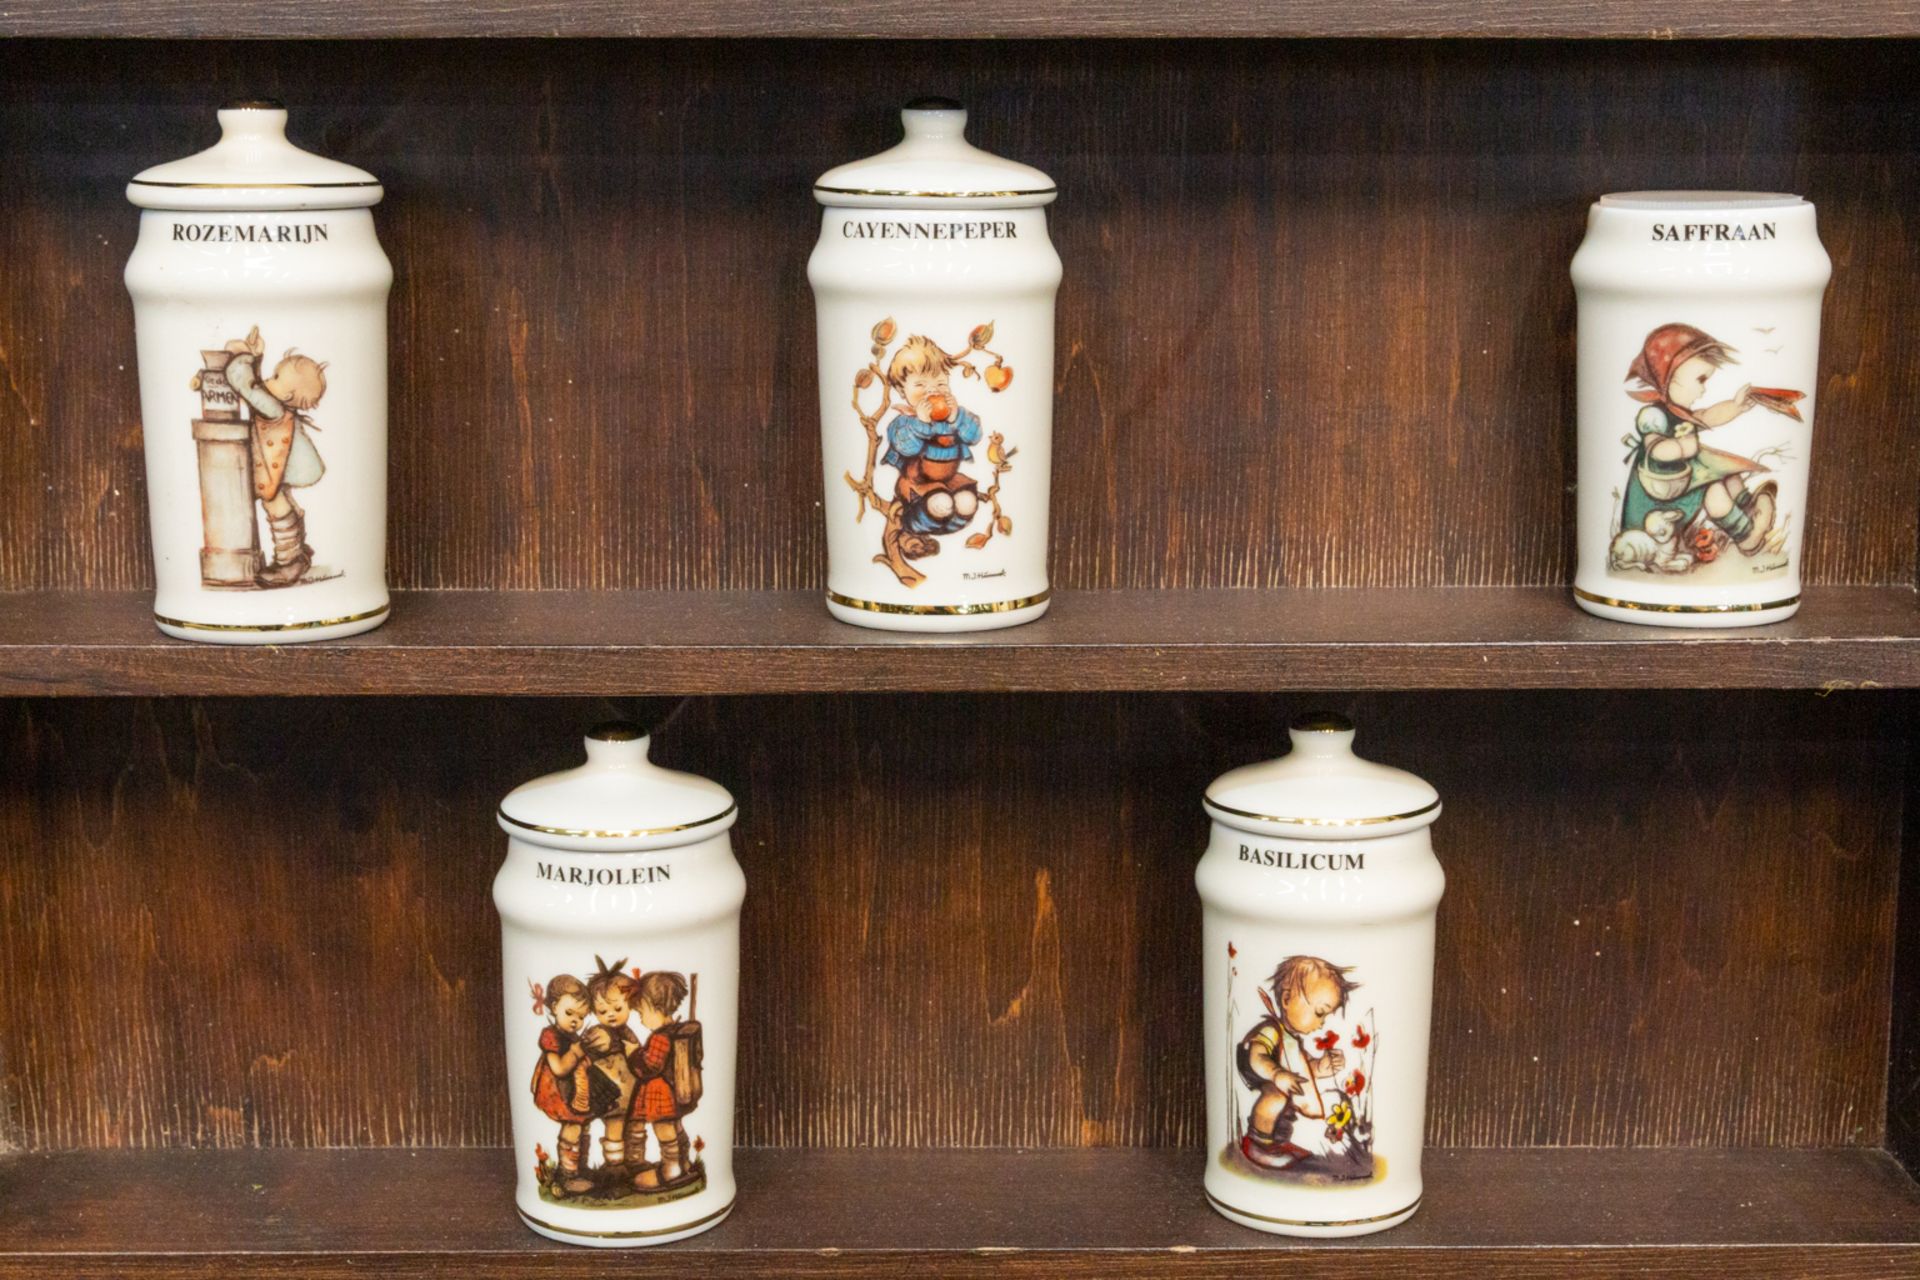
{"x": 635, "y": 1084}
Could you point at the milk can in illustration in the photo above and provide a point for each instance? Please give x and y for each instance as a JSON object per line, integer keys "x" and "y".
{"x": 260, "y": 314}
{"x": 1699, "y": 351}
{"x": 934, "y": 280}
{"x": 1320, "y": 889}
{"x": 620, "y": 949}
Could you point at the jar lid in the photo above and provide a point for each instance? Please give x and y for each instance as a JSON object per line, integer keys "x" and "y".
{"x": 934, "y": 163}
{"x": 253, "y": 169}
{"x": 617, "y": 801}
{"x": 1321, "y": 790}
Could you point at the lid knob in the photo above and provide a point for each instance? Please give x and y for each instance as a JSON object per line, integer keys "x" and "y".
{"x": 1322, "y": 733}
{"x": 253, "y": 123}
{"x": 934, "y": 119}
{"x": 617, "y": 744}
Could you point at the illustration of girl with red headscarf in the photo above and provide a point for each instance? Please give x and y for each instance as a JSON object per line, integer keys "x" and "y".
{"x": 1673, "y": 472}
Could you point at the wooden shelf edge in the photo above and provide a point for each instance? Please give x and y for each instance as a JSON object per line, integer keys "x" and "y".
{"x": 641, "y": 642}
{"x": 1629, "y": 19}
{"x": 1112, "y": 1212}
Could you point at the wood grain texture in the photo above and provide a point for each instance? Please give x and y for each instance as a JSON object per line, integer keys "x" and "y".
{"x": 282, "y": 907}
{"x": 1739, "y": 1213}
{"x": 1647, "y": 19}
{"x": 636, "y": 643}
{"x": 1316, "y": 327}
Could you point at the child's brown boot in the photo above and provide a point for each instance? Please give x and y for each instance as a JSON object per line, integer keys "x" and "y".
{"x": 574, "y": 1169}
{"x": 1759, "y": 505}
{"x": 291, "y": 554}
{"x": 669, "y": 1171}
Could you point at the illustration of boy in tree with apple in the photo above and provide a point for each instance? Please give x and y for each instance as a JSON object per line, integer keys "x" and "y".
{"x": 930, "y": 436}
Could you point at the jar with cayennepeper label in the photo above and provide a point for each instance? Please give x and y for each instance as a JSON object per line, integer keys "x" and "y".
{"x": 1699, "y": 352}
{"x": 1320, "y": 889}
{"x": 934, "y": 281}
{"x": 620, "y": 948}
{"x": 260, "y": 316}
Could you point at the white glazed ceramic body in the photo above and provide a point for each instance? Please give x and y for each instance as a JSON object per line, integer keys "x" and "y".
{"x": 1746, "y": 270}
{"x": 639, "y": 902}
{"x": 1294, "y": 895}
{"x": 311, "y": 281}
{"x": 975, "y": 276}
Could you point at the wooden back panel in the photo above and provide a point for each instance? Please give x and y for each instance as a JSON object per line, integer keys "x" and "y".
{"x": 1316, "y": 328}
{"x": 970, "y": 920}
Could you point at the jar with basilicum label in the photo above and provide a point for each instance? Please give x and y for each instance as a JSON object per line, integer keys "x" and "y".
{"x": 260, "y": 316}
{"x": 620, "y": 943}
{"x": 1320, "y": 889}
{"x": 934, "y": 281}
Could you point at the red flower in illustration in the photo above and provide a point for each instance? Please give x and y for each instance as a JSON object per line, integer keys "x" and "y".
{"x": 1327, "y": 1041}
{"x": 539, "y": 1153}
{"x": 1360, "y": 1038}
{"x": 636, "y": 971}
{"x": 1231, "y": 951}
{"x": 1706, "y": 546}
{"x": 1356, "y": 1083}
{"x": 699, "y": 1144}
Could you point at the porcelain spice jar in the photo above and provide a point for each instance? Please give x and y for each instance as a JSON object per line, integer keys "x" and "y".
{"x": 1699, "y": 350}
{"x": 620, "y": 948}
{"x": 260, "y": 315}
{"x": 934, "y": 281}
{"x": 1320, "y": 888}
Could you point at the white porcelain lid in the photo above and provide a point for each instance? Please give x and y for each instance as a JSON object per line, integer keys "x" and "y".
{"x": 253, "y": 169}
{"x": 934, "y": 165}
{"x": 1321, "y": 790}
{"x": 617, "y": 800}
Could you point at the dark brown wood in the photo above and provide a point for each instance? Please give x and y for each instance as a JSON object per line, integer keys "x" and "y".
{"x": 638, "y": 643}
{"x": 1903, "y": 1059}
{"x": 1646, "y": 19}
{"x": 1315, "y": 331}
{"x": 970, "y": 920}
{"x": 1736, "y": 1213}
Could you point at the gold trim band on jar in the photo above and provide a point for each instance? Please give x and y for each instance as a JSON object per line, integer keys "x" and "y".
{"x": 1321, "y": 822}
{"x": 248, "y": 186}
{"x": 1683, "y": 608}
{"x": 271, "y": 626}
{"x": 938, "y": 195}
{"x": 1310, "y": 1222}
{"x": 588, "y": 833}
{"x": 940, "y": 610}
{"x": 627, "y": 1235}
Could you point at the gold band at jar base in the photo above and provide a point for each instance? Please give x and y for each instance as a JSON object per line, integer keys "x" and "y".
{"x": 271, "y": 626}
{"x": 940, "y": 610}
{"x": 544, "y": 1225}
{"x": 1218, "y": 1203}
{"x": 1612, "y": 603}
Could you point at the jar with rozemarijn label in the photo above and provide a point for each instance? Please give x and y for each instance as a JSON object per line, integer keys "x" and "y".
{"x": 260, "y": 316}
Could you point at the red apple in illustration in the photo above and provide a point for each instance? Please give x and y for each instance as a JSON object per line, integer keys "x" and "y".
{"x": 998, "y": 376}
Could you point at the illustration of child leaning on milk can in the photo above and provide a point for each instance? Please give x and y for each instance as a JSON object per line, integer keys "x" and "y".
{"x": 284, "y": 458}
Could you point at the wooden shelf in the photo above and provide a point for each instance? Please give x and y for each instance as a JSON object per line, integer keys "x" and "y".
{"x": 1740, "y": 1212}
{"x": 639, "y": 642}
{"x": 1647, "y": 19}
